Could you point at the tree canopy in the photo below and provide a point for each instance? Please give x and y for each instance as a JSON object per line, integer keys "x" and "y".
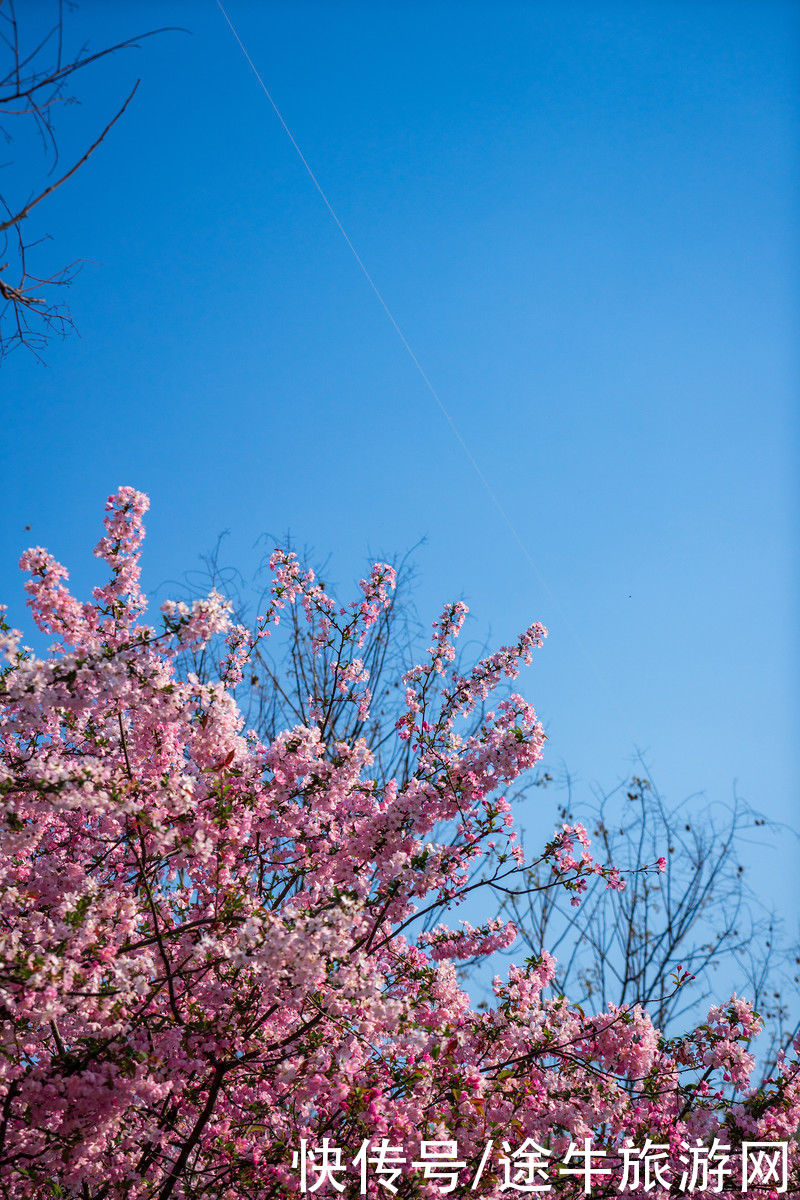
{"x": 214, "y": 973}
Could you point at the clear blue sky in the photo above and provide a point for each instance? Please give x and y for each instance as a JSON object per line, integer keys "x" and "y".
{"x": 585, "y": 219}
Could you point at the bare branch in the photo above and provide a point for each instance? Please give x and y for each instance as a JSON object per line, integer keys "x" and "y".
{"x": 33, "y": 82}
{"x": 20, "y": 216}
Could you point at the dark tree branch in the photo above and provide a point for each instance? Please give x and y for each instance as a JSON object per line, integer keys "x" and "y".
{"x": 20, "y": 216}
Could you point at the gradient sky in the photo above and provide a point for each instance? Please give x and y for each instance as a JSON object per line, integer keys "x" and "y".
{"x": 584, "y": 218}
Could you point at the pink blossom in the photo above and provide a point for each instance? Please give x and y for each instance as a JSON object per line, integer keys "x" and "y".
{"x": 207, "y": 943}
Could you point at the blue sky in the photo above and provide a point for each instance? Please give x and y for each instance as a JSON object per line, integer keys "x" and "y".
{"x": 584, "y": 218}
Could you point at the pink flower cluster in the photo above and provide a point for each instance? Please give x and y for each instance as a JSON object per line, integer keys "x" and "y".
{"x": 469, "y": 941}
{"x": 206, "y": 951}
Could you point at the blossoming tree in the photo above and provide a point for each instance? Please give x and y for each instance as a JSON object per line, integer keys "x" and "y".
{"x": 212, "y": 981}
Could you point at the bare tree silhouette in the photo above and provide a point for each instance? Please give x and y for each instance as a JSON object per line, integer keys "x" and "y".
{"x": 36, "y": 81}
{"x": 700, "y": 916}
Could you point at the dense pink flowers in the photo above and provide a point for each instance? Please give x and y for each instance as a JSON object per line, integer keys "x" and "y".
{"x": 210, "y": 947}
